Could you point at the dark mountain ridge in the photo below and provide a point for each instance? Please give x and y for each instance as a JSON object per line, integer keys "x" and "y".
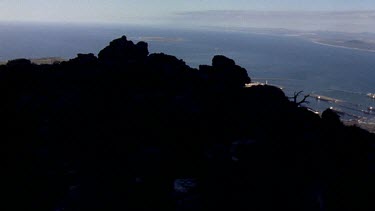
{"x": 120, "y": 130}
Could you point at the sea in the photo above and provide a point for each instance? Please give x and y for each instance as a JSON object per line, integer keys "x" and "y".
{"x": 336, "y": 78}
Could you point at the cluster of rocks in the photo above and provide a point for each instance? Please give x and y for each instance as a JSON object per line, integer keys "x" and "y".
{"x": 137, "y": 131}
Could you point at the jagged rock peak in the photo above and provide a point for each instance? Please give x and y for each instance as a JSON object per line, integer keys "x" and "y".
{"x": 120, "y": 41}
{"x": 122, "y": 50}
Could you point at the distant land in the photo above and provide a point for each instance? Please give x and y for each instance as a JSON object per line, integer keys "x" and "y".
{"x": 357, "y": 41}
{"x": 39, "y": 61}
{"x": 158, "y": 39}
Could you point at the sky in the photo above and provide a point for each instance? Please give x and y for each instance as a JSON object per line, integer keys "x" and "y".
{"x": 171, "y": 11}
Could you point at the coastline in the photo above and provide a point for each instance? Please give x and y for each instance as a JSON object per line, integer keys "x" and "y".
{"x": 315, "y": 41}
{"x": 339, "y": 46}
{"x": 364, "y": 125}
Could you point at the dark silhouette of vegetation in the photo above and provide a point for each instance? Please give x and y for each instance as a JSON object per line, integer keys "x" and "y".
{"x": 300, "y": 102}
{"x": 131, "y": 131}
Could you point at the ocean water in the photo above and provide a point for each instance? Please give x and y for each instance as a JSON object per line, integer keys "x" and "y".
{"x": 292, "y": 63}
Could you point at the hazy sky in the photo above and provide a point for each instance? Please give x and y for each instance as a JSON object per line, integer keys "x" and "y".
{"x": 124, "y": 10}
{"x": 168, "y": 11}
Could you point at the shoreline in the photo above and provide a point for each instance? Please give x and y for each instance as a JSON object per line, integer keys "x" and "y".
{"x": 339, "y": 46}
{"x": 364, "y": 125}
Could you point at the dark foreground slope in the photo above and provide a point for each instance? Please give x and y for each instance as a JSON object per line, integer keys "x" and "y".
{"x": 131, "y": 131}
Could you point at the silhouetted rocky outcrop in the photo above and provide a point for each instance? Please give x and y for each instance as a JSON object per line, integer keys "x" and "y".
{"x": 131, "y": 131}
{"x": 19, "y": 63}
{"x": 122, "y": 51}
{"x": 83, "y": 59}
{"x": 224, "y": 72}
{"x": 331, "y": 117}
